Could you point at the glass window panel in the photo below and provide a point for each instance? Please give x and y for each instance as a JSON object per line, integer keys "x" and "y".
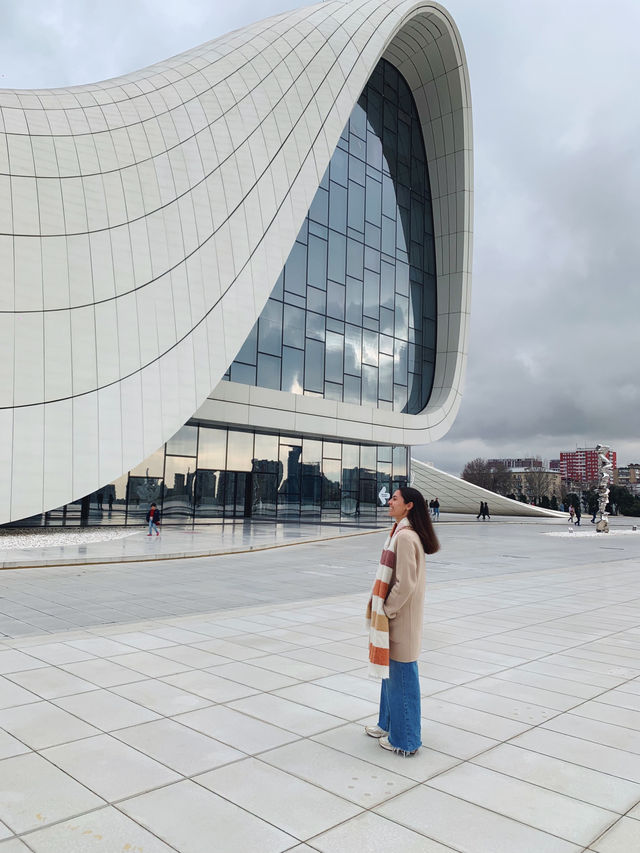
{"x": 385, "y": 377}
{"x": 243, "y": 374}
{"x": 353, "y": 350}
{"x": 371, "y": 294}
{"x": 317, "y": 266}
{"x": 337, "y": 256}
{"x": 373, "y": 204}
{"x": 331, "y": 449}
{"x": 264, "y": 495}
{"x": 358, "y": 120}
{"x": 333, "y": 391}
{"x": 334, "y": 357}
{"x": 318, "y": 230}
{"x": 372, "y": 259}
{"x": 335, "y": 300}
{"x": 179, "y": 476}
{"x": 314, "y": 366}
{"x": 400, "y": 361}
{"x": 402, "y": 317}
{"x": 355, "y": 258}
{"x": 240, "y": 451}
{"x": 293, "y": 327}
{"x": 372, "y": 235}
{"x": 356, "y": 167}
{"x": 338, "y": 208}
{"x": 368, "y": 460}
{"x": 312, "y": 453}
{"x": 249, "y": 349}
{"x": 386, "y": 344}
{"x": 294, "y": 299}
{"x": 303, "y": 233}
{"x": 270, "y": 328}
{"x": 351, "y": 393}
{"x": 399, "y": 397}
{"x": 184, "y": 442}
{"x": 356, "y": 206}
{"x": 399, "y": 462}
{"x": 212, "y": 448}
{"x": 295, "y": 272}
{"x": 386, "y": 321}
{"x": 374, "y": 151}
{"x": 370, "y": 345}
{"x": 369, "y": 385}
{"x": 354, "y": 301}
{"x": 268, "y": 371}
{"x": 388, "y": 197}
{"x": 331, "y": 485}
{"x": 315, "y": 327}
{"x": 415, "y": 308}
{"x": 319, "y": 210}
{"x": 209, "y": 495}
{"x": 292, "y": 370}
{"x": 335, "y": 325}
{"x": 265, "y": 453}
{"x": 142, "y": 491}
{"x": 153, "y": 466}
{"x": 339, "y": 165}
{"x": 370, "y": 323}
{"x": 316, "y": 300}
{"x": 278, "y": 287}
{"x": 388, "y": 236}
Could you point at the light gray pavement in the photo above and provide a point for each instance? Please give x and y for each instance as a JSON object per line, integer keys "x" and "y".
{"x": 217, "y": 704}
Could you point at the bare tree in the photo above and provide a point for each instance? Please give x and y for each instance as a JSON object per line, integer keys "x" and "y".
{"x": 494, "y": 476}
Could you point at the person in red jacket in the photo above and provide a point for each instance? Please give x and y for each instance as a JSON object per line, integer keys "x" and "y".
{"x": 153, "y": 517}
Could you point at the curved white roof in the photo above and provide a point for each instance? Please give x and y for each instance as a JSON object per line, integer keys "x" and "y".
{"x": 145, "y": 219}
{"x": 456, "y": 495}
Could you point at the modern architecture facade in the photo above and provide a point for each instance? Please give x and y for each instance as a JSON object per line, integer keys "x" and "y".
{"x": 238, "y": 282}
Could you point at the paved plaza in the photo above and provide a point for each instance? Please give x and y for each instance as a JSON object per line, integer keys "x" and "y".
{"x": 217, "y": 703}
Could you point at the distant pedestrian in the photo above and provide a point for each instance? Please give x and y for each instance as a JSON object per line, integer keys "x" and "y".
{"x": 578, "y": 512}
{"x": 431, "y": 509}
{"x": 436, "y": 509}
{"x": 486, "y": 512}
{"x": 572, "y": 514}
{"x": 481, "y": 510}
{"x": 153, "y": 517}
{"x": 110, "y": 501}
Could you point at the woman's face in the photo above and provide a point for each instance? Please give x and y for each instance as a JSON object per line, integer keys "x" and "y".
{"x": 398, "y": 509}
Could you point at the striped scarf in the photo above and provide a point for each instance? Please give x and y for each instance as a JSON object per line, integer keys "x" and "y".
{"x": 377, "y": 621}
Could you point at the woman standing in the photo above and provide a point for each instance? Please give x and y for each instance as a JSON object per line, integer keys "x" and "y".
{"x": 395, "y": 615}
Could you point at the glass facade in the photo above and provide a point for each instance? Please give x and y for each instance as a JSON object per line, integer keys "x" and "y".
{"x": 352, "y": 317}
{"x": 208, "y": 474}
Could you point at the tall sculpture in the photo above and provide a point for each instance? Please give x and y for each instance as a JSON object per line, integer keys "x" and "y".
{"x": 604, "y": 476}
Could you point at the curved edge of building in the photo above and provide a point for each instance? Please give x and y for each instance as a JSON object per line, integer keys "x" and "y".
{"x": 457, "y": 495}
{"x": 145, "y": 219}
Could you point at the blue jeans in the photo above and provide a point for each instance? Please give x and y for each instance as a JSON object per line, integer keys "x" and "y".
{"x": 152, "y": 526}
{"x": 400, "y": 706}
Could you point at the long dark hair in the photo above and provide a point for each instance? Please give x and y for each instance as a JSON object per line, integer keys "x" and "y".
{"x": 419, "y": 519}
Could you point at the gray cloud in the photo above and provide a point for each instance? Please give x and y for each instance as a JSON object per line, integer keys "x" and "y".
{"x": 557, "y": 181}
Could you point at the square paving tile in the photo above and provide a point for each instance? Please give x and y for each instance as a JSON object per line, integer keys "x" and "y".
{"x": 210, "y": 686}
{"x": 236, "y": 729}
{"x": 10, "y": 746}
{"x": 330, "y": 701}
{"x": 103, "y": 673}
{"x": 110, "y": 768}
{"x": 14, "y": 845}
{"x": 178, "y": 746}
{"x": 105, "y": 710}
{"x": 252, "y": 676}
{"x": 624, "y": 837}
{"x": 288, "y": 715}
{"x": 100, "y": 831}
{"x": 12, "y": 694}
{"x": 41, "y": 724}
{"x": 12, "y": 660}
{"x": 162, "y": 698}
{"x": 149, "y": 664}
{"x": 531, "y": 805}
{"x": 49, "y": 682}
{"x": 35, "y": 793}
{"x": 370, "y": 833}
{"x": 599, "y": 789}
{"x": 269, "y": 793}
{"x": 468, "y": 827}
{"x": 190, "y": 818}
{"x": 361, "y": 782}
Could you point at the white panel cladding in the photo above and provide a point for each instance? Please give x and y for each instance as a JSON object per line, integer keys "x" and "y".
{"x": 154, "y": 213}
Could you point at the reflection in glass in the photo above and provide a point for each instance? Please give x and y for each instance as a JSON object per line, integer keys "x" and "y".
{"x": 184, "y": 442}
{"x": 240, "y": 451}
{"x": 153, "y": 466}
{"x": 180, "y": 472}
{"x": 209, "y": 495}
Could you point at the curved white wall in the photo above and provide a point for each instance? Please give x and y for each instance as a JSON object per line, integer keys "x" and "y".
{"x": 145, "y": 219}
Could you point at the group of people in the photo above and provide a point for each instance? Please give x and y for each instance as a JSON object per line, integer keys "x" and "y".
{"x": 484, "y": 511}
{"x": 434, "y": 509}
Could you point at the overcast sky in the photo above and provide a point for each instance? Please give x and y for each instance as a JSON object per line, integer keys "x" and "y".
{"x": 554, "y": 357}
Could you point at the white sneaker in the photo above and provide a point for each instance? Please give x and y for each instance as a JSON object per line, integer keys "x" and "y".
{"x": 375, "y": 731}
{"x": 384, "y": 743}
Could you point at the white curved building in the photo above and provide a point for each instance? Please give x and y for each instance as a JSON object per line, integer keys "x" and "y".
{"x": 237, "y": 282}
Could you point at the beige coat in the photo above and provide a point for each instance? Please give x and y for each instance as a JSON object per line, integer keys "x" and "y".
{"x": 405, "y": 601}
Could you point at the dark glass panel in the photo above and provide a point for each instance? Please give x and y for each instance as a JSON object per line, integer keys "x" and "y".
{"x": 142, "y": 491}
{"x": 295, "y": 271}
{"x": 338, "y": 207}
{"x": 316, "y": 300}
{"x": 386, "y": 321}
{"x": 335, "y": 300}
{"x": 356, "y": 166}
{"x": 369, "y": 385}
{"x": 248, "y": 351}
{"x": 270, "y": 330}
{"x": 317, "y": 262}
{"x": 179, "y": 476}
{"x": 334, "y": 369}
{"x": 354, "y": 301}
{"x": 352, "y": 390}
{"x": 402, "y": 317}
{"x": 371, "y": 294}
{"x": 315, "y": 326}
{"x": 319, "y": 210}
{"x": 243, "y": 374}
{"x": 209, "y": 495}
{"x": 339, "y": 167}
{"x": 356, "y": 206}
{"x": 355, "y": 258}
{"x": 399, "y": 462}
